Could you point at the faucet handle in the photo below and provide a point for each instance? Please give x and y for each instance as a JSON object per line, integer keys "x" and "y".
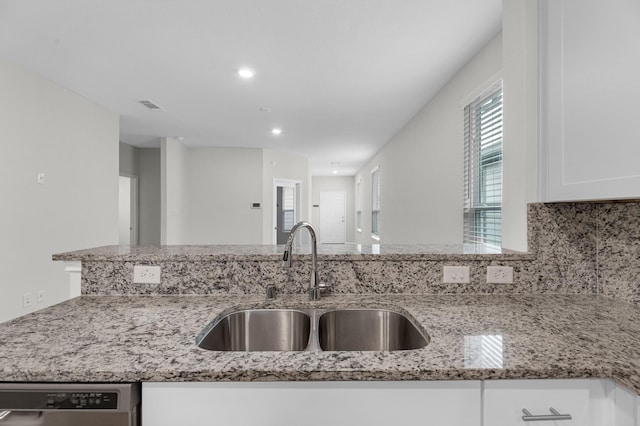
{"x": 271, "y": 292}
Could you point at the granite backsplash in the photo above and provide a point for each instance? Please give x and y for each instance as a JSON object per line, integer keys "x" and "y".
{"x": 588, "y": 248}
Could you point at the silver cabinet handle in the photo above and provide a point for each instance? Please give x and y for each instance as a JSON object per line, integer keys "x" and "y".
{"x": 4, "y": 414}
{"x": 528, "y": 417}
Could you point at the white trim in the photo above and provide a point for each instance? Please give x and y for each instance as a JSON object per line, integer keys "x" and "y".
{"x": 480, "y": 90}
{"x": 133, "y": 237}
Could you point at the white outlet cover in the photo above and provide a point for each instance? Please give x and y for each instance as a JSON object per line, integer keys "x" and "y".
{"x": 499, "y": 274}
{"x": 27, "y": 300}
{"x": 146, "y": 274}
{"x": 455, "y": 274}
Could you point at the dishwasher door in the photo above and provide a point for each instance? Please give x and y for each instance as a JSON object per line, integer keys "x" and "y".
{"x": 105, "y": 404}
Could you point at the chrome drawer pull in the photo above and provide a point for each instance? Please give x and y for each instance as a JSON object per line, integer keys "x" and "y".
{"x": 528, "y": 417}
{"x": 4, "y": 414}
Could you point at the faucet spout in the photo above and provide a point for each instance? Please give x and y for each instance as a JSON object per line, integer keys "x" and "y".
{"x": 287, "y": 257}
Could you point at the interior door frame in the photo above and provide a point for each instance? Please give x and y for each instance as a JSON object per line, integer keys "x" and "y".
{"x": 297, "y": 185}
{"x": 133, "y": 203}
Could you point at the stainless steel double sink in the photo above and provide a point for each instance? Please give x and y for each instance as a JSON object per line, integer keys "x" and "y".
{"x": 312, "y": 330}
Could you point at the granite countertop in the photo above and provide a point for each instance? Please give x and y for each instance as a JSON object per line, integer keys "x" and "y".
{"x": 349, "y": 251}
{"x": 152, "y": 338}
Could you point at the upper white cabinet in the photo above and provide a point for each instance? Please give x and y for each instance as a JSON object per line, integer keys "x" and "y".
{"x": 590, "y": 99}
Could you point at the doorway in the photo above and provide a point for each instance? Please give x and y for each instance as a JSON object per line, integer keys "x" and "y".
{"x": 332, "y": 217}
{"x": 286, "y": 208}
{"x": 128, "y": 210}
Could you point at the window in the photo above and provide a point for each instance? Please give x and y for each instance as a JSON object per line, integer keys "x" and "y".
{"x": 483, "y": 168}
{"x": 375, "y": 202}
{"x": 288, "y": 207}
{"x": 358, "y": 207}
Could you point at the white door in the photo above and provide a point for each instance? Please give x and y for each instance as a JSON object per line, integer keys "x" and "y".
{"x": 332, "y": 215}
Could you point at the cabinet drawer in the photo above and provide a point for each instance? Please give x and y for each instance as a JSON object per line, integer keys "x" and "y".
{"x": 583, "y": 399}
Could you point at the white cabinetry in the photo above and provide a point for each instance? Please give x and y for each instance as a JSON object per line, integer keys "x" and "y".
{"x": 622, "y": 404}
{"x": 590, "y": 99}
{"x": 311, "y": 403}
{"x": 589, "y": 402}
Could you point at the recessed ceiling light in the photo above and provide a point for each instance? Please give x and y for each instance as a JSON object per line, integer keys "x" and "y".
{"x": 245, "y": 72}
{"x": 276, "y": 131}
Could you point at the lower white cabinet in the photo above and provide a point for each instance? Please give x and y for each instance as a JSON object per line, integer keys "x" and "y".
{"x": 312, "y": 403}
{"x": 589, "y": 402}
{"x": 576, "y": 402}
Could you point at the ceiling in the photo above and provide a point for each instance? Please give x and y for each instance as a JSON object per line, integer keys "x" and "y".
{"x": 340, "y": 77}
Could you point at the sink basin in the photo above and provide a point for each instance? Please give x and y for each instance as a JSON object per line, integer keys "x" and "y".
{"x": 259, "y": 330}
{"x": 312, "y": 330}
{"x": 368, "y": 330}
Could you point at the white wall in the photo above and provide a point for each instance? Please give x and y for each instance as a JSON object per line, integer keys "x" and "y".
{"x": 174, "y": 207}
{"x": 208, "y": 193}
{"x": 421, "y": 168}
{"x": 338, "y": 184}
{"x": 49, "y": 129}
{"x": 124, "y": 210}
{"x": 222, "y": 183}
{"x": 149, "y": 195}
{"x": 280, "y": 165}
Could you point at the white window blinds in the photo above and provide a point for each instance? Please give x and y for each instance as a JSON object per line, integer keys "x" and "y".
{"x": 483, "y": 168}
{"x": 288, "y": 207}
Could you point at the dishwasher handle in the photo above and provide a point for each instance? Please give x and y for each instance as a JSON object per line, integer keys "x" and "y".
{"x": 21, "y": 418}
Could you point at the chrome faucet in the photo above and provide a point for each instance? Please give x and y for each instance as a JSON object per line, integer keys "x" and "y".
{"x": 287, "y": 258}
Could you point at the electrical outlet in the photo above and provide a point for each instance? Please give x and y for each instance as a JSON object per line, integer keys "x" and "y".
{"x": 27, "y": 300}
{"x": 500, "y": 274}
{"x": 40, "y": 296}
{"x": 145, "y": 274}
{"x": 455, "y": 274}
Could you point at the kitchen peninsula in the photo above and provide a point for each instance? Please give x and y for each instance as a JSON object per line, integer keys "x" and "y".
{"x": 554, "y": 322}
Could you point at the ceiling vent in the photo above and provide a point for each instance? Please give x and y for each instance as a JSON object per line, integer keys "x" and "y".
{"x": 150, "y": 105}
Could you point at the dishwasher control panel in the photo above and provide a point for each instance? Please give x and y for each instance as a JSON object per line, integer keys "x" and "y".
{"x": 52, "y": 400}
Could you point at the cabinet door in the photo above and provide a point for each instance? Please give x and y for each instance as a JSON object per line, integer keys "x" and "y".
{"x": 311, "y": 403}
{"x": 589, "y": 99}
{"x": 583, "y": 399}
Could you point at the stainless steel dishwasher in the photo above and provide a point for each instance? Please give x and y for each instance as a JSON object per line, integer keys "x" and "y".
{"x": 56, "y": 404}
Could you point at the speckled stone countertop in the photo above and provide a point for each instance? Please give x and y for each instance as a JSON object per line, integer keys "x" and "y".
{"x": 152, "y": 338}
{"x": 350, "y": 251}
